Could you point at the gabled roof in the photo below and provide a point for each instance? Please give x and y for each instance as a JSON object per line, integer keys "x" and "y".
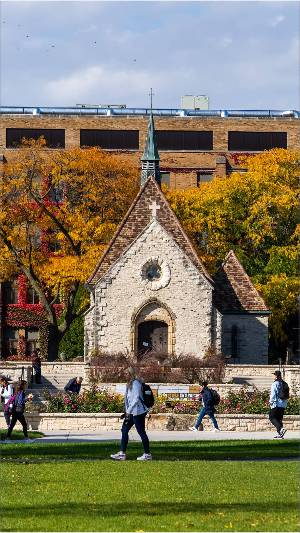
{"x": 136, "y": 220}
{"x": 234, "y": 290}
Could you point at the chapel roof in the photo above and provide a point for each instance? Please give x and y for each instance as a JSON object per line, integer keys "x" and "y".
{"x": 136, "y": 220}
{"x": 234, "y": 290}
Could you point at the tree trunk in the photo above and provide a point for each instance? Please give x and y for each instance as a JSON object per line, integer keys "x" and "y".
{"x": 55, "y": 337}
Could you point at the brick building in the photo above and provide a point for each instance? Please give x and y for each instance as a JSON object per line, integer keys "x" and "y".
{"x": 193, "y": 147}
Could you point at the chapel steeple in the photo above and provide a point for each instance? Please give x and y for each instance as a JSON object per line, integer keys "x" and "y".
{"x": 150, "y": 158}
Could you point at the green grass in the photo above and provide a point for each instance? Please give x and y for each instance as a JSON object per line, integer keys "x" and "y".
{"x": 162, "y": 451}
{"x": 19, "y": 435}
{"x": 159, "y": 496}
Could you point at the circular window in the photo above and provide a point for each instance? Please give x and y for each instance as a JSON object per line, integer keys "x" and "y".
{"x": 153, "y": 271}
{"x": 156, "y": 274}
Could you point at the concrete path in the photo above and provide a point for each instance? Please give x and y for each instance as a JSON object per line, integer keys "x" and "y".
{"x": 65, "y": 436}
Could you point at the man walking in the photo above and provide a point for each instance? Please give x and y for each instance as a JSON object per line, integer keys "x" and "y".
{"x": 207, "y": 409}
{"x": 278, "y": 402}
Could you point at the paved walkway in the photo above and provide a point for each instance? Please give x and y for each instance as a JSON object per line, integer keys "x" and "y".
{"x": 65, "y": 436}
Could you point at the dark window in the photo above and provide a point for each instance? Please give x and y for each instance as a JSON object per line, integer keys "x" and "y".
{"x": 32, "y": 336}
{"x": 110, "y": 139}
{"x": 10, "y": 292}
{"x": 184, "y": 140}
{"x": 53, "y": 138}
{"x": 165, "y": 178}
{"x": 32, "y": 296}
{"x": 203, "y": 176}
{"x": 11, "y": 337}
{"x": 256, "y": 141}
{"x": 234, "y": 341}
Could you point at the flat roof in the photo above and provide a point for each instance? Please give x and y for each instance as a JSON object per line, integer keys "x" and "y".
{"x": 137, "y": 111}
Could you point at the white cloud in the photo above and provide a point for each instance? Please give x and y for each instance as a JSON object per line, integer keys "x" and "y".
{"x": 276, "y": 20}
{"x": 226, "y": 41}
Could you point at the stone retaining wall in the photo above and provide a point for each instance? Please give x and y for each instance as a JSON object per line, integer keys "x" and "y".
{"x": 90, "y": 422}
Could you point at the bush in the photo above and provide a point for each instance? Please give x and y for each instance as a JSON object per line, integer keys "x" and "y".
{"x": 157, "y": 367}
{"x": 92, "y": 401}
{"x": 100, "y": 401}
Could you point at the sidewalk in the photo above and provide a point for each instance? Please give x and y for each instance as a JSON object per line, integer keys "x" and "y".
{"x": 65, "y": 436}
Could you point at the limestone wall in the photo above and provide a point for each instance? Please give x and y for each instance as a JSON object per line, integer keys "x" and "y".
{"x": 86, "y": 422}
{"x": 185, "y": 293}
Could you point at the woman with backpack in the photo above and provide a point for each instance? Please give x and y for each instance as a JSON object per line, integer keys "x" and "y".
{"x": 134, "y": 415}
{"x": 17, "y": 405}
{"x": 208, "y": 408}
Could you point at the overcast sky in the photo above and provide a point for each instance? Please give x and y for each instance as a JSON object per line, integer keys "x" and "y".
{"x": 243, "y": 55}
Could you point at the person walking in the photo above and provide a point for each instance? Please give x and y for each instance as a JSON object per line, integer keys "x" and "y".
{"x": 18, "y": 402}
{"x": 7, "y": 391}
{"x": 208, "y": 408}
{"x": 135, "y": 415}
{"x": 278, "y": 401}
{"x": 74, "y": 385}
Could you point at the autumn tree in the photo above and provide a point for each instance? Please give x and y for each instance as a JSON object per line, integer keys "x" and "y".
{"x": 59, "y": 211}
{"x": 256, "y": 214}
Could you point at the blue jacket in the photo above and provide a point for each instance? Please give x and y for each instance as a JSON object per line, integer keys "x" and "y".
{"x": 275, "y": 401}
{"x": 207, "y": 400}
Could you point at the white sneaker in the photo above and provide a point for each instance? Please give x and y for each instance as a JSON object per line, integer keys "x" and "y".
{"x": 193, "y": 428}
{"x": 145, "y": 457}
{"x": 217, "y": 430}
{"x": 120, "y": 456}
{"x": 283, "y": 432}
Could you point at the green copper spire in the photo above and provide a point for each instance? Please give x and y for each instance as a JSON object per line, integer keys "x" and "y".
{"x": 150, "y": 158}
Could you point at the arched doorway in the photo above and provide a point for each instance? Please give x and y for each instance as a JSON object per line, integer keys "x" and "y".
{"x": 153, "y": 328}
{"x": 152, "y": 335}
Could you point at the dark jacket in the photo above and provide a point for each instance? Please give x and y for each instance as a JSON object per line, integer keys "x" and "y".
{"x": 207, "y": 399}
{"x": 73, "y": 386}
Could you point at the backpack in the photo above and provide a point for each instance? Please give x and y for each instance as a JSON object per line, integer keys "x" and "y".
{"x": 284, "y": 391}
{"x": 147, "y": 396}
{"x": 215, "y": 396}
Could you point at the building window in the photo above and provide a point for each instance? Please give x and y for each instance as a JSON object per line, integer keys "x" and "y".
{"x": 32, "y": 340}
{"x": 256, "y": 141}
{"x": 10, "y": 292}
{"x": 53, "y": 138}
{"x": 32, "y": 296}
{"x": 184, "y": 140}
{"x": 11, "y": 338}
{"x": 165, "y": 178}
{"x": 204, "y": 176}
{"x": 234, "y": 341}
{"x": 110, "y": 139}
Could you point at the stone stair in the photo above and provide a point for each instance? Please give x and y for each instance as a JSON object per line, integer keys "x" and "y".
{"x": 259, "y": 382}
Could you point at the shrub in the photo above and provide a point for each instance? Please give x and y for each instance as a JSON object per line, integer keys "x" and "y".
{"x": 157, "y": 367}
{"x": 92, "y": 401}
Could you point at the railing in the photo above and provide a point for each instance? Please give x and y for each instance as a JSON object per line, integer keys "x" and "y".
{"x": 136, "y": 111}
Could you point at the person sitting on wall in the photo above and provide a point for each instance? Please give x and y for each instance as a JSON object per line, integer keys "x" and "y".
{"x": 74, "y": 385}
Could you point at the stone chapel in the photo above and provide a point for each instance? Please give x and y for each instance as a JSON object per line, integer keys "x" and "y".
{"x": 150, "y": 291}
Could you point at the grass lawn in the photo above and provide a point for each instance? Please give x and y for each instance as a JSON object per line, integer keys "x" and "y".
{"x": 59, "y": 489}
{"x": 19, "y": 435}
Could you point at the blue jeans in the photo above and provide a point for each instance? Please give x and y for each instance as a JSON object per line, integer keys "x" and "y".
{"x": 139, "y": 422}
{"x": 204, "y": 411}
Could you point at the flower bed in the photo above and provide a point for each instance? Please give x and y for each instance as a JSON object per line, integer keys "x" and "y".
{"x": 101, "y": 401}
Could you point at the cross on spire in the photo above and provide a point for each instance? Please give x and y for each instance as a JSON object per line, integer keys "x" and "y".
{"x": 154, "y": 208}
{"x": 151, "y": 94}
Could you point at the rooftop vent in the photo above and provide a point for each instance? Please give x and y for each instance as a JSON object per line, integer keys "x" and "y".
{"x": 189, "y": 101}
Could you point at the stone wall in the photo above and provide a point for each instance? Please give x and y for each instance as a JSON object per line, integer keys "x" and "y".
{"x": 86, "y": 422}
{"x": 252, "y": 337}
{"x": 184, "y": 295}
{"x": 182, "y": 165}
